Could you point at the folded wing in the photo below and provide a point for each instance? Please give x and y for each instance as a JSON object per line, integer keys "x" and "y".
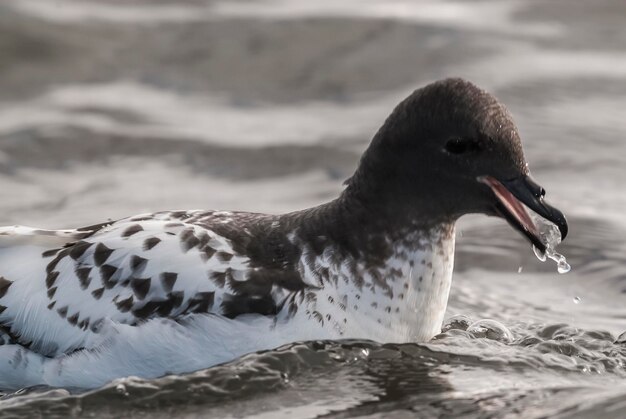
{"x": 56, "y": 300}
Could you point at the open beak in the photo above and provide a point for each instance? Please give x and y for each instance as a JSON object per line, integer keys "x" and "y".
{"x": 512, "y": 195}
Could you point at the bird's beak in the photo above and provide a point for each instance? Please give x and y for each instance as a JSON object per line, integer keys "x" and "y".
{"x": 512, "y": 195}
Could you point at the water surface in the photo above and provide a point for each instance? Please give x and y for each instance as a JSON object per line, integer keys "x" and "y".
{"x": 113, "y": 108}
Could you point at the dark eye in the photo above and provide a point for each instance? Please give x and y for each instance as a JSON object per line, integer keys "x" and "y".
{"x": 462, "y": 145}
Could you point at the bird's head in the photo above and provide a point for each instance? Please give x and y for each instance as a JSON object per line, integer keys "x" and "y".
{"x": 447, "y": 150}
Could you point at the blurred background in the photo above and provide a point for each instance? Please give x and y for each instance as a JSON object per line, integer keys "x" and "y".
{"x": 111, "y": 108}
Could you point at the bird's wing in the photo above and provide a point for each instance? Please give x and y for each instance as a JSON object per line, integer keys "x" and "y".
{"x": 126, "y": 271}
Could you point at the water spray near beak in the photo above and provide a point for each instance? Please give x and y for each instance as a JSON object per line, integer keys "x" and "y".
{"x": 514, "y": 198}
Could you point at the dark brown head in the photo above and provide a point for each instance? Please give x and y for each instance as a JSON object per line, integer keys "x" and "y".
{"x": 445, "y": 151}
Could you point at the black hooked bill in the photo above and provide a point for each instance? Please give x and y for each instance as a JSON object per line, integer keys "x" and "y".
{"x": 514, "y": 197}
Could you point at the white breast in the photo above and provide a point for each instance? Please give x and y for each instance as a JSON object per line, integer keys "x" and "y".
{"x": 402, "y": 301}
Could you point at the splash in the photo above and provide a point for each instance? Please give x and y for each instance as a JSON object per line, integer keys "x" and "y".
{"x": 550, "y": 237}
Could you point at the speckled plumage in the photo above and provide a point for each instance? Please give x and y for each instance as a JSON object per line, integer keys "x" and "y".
{"x": 180, "y": 264}
{"x": 176, "y": 291}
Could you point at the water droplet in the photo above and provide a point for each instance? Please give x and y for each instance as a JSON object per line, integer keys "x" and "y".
{"x": 577, "y": 300}
{"x": 540, "y": 255}
{"x": 121, "y": 388}
{"x": 519, "y": 270}
{"x": 561, "y": 264}
{"x": 551, "y": 237}
{"x": 563, "y": 267}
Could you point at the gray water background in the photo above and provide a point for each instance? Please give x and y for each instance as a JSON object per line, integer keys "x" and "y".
{"x": 111, "y": 108}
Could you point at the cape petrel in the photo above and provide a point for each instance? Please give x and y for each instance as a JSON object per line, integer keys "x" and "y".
{"x": 178, "y": 291}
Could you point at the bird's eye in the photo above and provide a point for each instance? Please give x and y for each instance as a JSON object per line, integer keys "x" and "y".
{"x": 462, "y": 145}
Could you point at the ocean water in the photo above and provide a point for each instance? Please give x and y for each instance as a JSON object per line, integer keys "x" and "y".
{"x": 110, "y": 108}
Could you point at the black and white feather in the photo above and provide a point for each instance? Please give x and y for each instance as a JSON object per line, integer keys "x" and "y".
{"x": 80, "y": 299}
{"x": 177, "y": 291}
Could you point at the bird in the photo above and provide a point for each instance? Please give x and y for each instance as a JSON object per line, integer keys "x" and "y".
{"x": 178, "y": 291}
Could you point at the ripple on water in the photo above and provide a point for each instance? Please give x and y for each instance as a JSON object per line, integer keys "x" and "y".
{"x": 392, "y": 374}
{"x": 556, "y": 346}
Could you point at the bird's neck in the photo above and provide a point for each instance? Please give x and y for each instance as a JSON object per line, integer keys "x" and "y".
{"x": 374, "y": 279}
